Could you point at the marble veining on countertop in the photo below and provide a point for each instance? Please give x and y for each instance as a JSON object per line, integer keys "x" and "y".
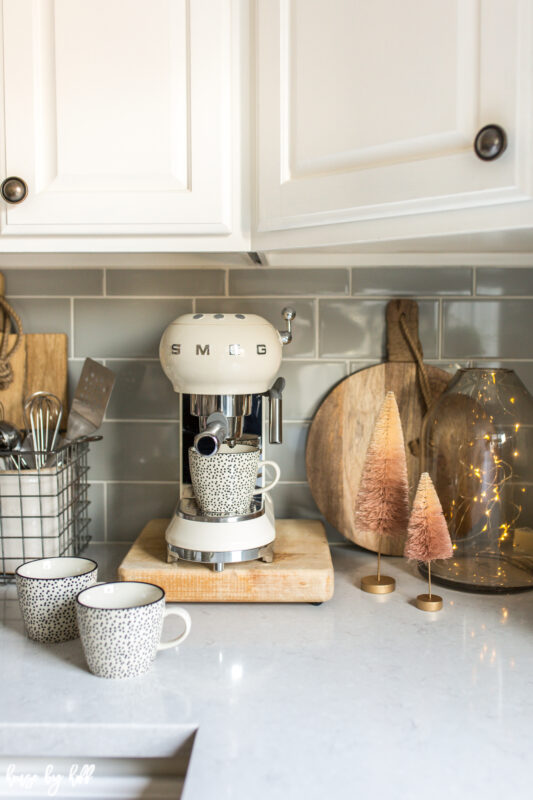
{"x": 362, "y": 695}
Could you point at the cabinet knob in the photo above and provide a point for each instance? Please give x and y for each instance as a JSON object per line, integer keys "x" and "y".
{"x": 14, "y": 190}
{"x": 490, "y": 142}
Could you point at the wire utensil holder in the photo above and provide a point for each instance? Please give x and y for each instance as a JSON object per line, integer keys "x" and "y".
{"x": 44, "y": 511}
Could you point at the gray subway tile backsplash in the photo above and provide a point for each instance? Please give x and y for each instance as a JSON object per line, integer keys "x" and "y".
{"x": 290, "y": 456}
{"x": 59, "y": 282}
{"x": 283, "y": 282}
{"x": 165, "y": 282}
{"x": 131, "y": 505}
{"x": 136, "y": 451}
{"x": 43, "y": 316}
{"x": 141, "y": 391}
{"x": 411, "y": 281}
{"x": 118, "y": 319}
{"x": 307, "y": 383}
{"x": 504, "y": 281}
{"x": 123, "y": 328}
{"x": 487, "y": 329}
{"x": 356, "y": 328}
{"x": 294, "y": 501}
{"x": 96, "y": 496}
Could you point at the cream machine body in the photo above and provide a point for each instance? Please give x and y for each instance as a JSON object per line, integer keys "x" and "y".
{"x": 224, "y": 367}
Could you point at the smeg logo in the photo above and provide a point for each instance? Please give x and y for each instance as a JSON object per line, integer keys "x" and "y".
{"x": 204, "y": 350}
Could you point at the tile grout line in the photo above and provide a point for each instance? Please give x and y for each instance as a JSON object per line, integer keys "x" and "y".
{"x": 317, "y": 328}
{"x": 112, "y": 482}
{"x": 173, "y": 420}
{"x": 71, "y": 342}
{"x": 440, "y": 331}
{"x": 287, "y": 298}
{"x": 105, "y": 511}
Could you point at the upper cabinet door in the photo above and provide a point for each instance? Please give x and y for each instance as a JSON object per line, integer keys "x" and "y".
{"x": 122, "y": 119}
{"x": 368, "y": 111}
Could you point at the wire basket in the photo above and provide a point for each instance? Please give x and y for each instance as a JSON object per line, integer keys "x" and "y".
{"x": 44, "y": 511}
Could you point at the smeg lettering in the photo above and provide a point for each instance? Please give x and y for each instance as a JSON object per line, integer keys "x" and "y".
{"x": 175, "y": 349}
{"x": 202, "y": 350}
{"x": 261, "y": 349}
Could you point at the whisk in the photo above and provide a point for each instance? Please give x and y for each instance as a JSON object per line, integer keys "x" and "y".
{"x": 43, "y": 412}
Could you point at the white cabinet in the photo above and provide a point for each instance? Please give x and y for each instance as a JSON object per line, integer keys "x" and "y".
{"x": 367, "y": 113}
{"x": 124, "y": 119}
{"x": 132, "y": 122}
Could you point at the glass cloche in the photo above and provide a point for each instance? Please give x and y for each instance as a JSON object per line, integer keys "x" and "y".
{"x": 477, "y": 445}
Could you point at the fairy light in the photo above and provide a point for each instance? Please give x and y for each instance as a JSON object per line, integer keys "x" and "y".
{"x": 486, "y": 480}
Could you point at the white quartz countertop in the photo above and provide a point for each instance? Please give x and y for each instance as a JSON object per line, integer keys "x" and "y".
{"x": 362, "y": 696}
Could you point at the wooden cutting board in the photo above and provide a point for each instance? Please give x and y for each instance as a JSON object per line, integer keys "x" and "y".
{"x": 39, "y": 364}
{"x": 341, "y": 430}
{"x": 301, "y": 571}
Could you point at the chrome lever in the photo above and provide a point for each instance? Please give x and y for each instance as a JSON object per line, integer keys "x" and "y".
{"x": 288, "y": 315}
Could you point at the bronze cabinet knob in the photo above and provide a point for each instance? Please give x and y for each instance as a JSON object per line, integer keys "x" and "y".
{"x": 14, "y": 190}
{"x": 490, "y": 142}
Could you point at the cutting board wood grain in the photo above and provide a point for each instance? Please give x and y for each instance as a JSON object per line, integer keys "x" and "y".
{"x": 39, "y": 364}
{"x": 301, "y": 571}
{"x": 341, "y": 430}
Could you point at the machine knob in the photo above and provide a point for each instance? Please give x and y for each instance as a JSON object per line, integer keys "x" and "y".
{"x": 490, "y": 142}
{"x": 14, "y": 190}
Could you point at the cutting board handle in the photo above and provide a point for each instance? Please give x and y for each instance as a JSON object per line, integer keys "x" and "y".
{"x": 403, "y": 342}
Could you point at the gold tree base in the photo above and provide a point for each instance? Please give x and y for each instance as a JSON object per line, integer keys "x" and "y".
{"x": 374, "y": 585}
{"x": 429, "y": 602}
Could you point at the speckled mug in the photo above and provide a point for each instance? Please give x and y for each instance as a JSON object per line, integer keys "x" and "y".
{"x": 47, "y": 589}
{"x": 120, "y": 627}
{"x": 224, "y": 483}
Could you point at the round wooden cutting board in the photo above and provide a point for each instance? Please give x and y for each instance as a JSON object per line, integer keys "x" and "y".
{"x": 343, "y": 425}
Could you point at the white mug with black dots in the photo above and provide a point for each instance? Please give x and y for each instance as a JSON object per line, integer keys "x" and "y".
{"x": 47, "y": 589}
{"x": 224, "y": 483}
{"x": 120, "y": 627}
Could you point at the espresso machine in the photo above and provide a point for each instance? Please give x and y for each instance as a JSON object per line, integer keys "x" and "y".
{"x": 224, "y": 368}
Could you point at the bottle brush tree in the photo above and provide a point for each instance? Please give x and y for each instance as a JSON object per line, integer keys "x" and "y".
{"x": 427, "y": 535}
{"x": 382, "y": 504}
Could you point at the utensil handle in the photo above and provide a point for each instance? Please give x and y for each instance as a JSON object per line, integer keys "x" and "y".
{"x": 270, "y": 485}
{"x": 178, "y": 612}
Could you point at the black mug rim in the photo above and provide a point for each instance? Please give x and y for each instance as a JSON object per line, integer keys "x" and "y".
{"x": 57, "y": 577}
{"x": 120, "y": 583}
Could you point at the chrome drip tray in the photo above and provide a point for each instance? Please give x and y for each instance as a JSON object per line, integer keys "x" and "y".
{"x": 188, "y": 509}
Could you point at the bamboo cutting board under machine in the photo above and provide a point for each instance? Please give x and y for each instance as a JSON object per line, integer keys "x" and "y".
{"x": 342, "y": 428}
{"x": 300, "y": 572}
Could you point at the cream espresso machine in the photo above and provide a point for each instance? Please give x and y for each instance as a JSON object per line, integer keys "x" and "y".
{"x": 224, "y": 368}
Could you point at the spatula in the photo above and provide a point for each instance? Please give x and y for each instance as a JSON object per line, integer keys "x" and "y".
{"x": 90, "y": 400}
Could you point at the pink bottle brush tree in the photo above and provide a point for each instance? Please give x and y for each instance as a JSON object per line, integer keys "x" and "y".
{"x": 382, "y": 504}
{"x": 428, "y": 538}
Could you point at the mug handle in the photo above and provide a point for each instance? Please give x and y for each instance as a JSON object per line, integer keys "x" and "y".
{"x": 178, "y": 612}
{"x": 271, "y": 485}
